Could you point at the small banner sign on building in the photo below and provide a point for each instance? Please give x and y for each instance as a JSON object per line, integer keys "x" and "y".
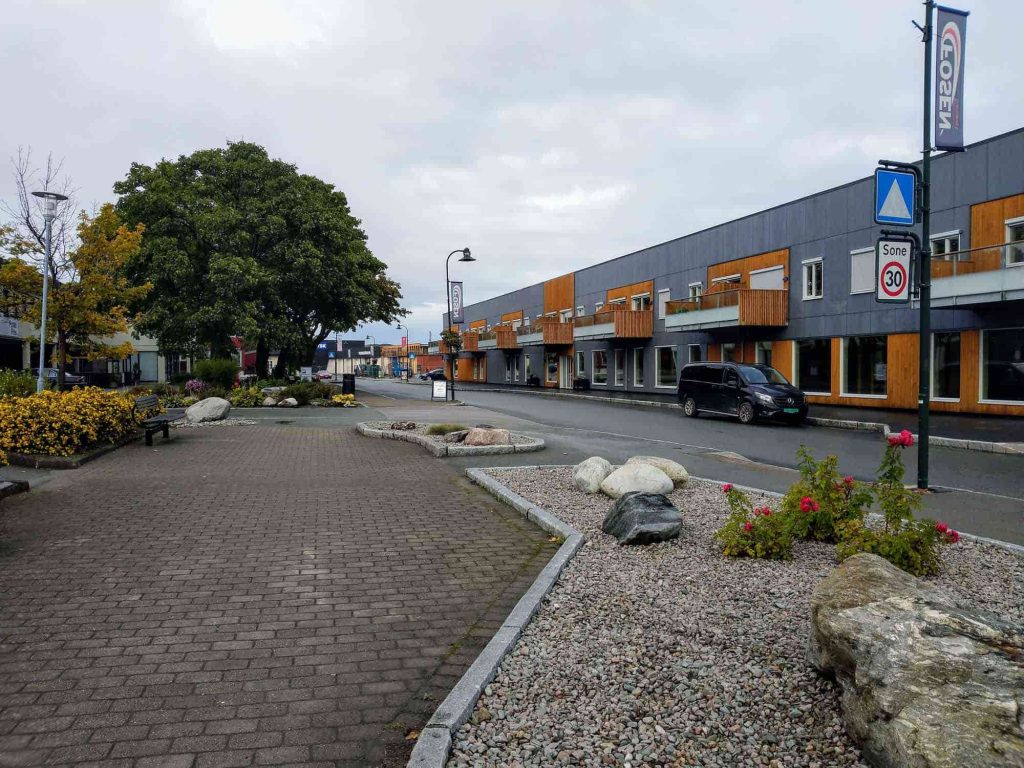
{"x": 457, "y": 314}
{"x": 951, "y": 40}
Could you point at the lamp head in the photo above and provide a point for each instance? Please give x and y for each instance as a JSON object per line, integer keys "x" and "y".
{"x": 50, "y": 201}
{"x": 466, "y": 256}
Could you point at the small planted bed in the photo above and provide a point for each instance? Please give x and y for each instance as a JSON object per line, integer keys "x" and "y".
{"x": 453, "y": 439}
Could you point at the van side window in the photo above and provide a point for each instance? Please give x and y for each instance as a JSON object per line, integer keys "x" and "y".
{"x": 732, "y": 379}
{"x": 693, "y": 373}
{"x": 712, "y": 374}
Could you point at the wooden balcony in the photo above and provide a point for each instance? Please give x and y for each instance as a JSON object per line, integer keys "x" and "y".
{"x": 548, "y": 332}
{"x": 615, "y": 323}
{"x": 486, "y": 340}
{"x": 505, "y": 337}
{"x": 730, "y": 308}
{"x": 470, "y": 342}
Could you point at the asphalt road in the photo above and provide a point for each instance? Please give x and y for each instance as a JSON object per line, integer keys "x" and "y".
{"x": 980, "y": 493}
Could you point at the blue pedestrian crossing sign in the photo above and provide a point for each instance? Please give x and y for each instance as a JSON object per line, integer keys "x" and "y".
{"x": 895, "y": 201}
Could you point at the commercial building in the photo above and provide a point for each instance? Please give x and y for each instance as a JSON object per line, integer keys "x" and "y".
{"x": 791, "y": 286}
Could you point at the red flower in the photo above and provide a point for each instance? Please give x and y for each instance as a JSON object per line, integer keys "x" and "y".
{"x": 807, "y": 504}
{"x": 748, "y": 526}
{"x": 726, "y": 487}
{"x": 766, "y": 512}
{"x": 952, "y": 537}
{"x": 815, "y": 506}
{"x": 848, "y": 480}
{"x": 941, "y": 527}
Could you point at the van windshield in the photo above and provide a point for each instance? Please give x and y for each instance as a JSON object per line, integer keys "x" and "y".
{"x": 762, "y": 374}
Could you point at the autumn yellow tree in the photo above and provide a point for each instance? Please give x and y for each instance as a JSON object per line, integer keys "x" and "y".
{"x": 90, "y": 303}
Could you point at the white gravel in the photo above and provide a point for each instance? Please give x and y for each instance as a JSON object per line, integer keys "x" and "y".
{"x": 423, "y": 429}
{"x": 673, "y": 655}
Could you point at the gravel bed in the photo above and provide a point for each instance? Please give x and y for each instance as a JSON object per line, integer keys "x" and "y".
{"x": 221, "y": 423}
{"x": 421, "y": 429}
{"x": 674, "y": 655}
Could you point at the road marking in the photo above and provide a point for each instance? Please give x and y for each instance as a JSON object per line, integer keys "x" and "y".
{"x": 634, "y": 437}
{"x": 978, "y": 493}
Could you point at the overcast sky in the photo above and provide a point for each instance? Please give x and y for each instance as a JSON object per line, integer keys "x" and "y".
{"x": 546, "y": 136}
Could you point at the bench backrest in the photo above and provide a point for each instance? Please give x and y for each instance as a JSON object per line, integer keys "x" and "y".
{"x": 146, "y": 402}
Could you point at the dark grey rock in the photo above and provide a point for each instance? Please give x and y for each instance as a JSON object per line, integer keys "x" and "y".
{"x": 642, "y": 518}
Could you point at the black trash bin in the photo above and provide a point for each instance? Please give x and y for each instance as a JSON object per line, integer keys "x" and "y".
{"x": 348, "y": 383}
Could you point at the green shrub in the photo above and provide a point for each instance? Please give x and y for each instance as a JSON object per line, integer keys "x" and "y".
{"x": 905, "y": 541}
{"x": 821, "y": 502}
{"x": 444, "y": 429}
{"x": 179, "y": 378}
{"x": 174, "y": 400}
{"x": 162, "y": 390}
{"x": 305, "y": 391}
{"x": 16, "y": 384}
{"x": 217, "y": 372}
{"x": 751, "y": 531}
{"x": 246, "y": 397}
{"x": 212, "y": 392}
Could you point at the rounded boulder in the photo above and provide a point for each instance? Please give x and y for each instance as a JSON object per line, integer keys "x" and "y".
{"x": 210, "y": 409}
{"x": 676, "y": 472}
{"x": 642, "y": 478}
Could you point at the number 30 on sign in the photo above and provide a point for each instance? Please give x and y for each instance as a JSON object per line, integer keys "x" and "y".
{"x": 892, "y": 270}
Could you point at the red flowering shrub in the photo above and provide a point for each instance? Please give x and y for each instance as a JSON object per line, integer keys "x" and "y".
{"x": 906, "y": 541}
{"x": 822, "y": 501}
{"x": 751, "y": 531}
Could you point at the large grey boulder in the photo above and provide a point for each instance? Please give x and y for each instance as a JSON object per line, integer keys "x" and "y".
{"x": 642, "y": 518}
{"x": 288, "y": 402}
{"x": 642, "y": 478}
{"x": 269, "y": 402}
{"x": 486, "y": 436}
{"x": 927, "y": 681}
{"x": 590, "y": 473}
{"x": 210, "y": 409}
{"x": 676, "y": 472}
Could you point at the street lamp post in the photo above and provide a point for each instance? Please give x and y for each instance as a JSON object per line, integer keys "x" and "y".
{"x": 448, "y": 291}
{"x": 408, "y": 366}
{"x": 50, "y": 201}
{"x": 373, "y": 343}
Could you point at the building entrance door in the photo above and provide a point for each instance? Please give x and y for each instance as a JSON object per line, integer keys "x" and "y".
{"x": 565, "y": 372}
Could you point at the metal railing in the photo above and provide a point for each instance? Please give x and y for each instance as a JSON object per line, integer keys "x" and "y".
{"x": 984, "y": 259}
{"x": 729, "y": 297}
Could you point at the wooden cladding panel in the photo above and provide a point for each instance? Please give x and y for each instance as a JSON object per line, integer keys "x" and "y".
{"x": 782, "y": 358}
{"x": 629, "y": 291}
{"x": 634, "y": 324}
{"x": 560, "y": 293}
{"x": 988, "y": 227}
{"x": 505, "y": 337}
{"x": 470, "y": 342}
{"x": 764, "y": 307}
{"x": 743, "y": 267}
{"x": 558, "y": 333}
{"x": 476, "y": 324}
{"x": 510, "y": 317}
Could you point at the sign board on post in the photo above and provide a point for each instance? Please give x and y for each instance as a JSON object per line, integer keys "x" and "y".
{"x": 951, "y": 39}
{"x": 892, "y": 270}
{"x": 895, "y": 198}
{"x": 439, "y": 389}
{"x": 456, "y": 297}
{"x": 306, "y": 373}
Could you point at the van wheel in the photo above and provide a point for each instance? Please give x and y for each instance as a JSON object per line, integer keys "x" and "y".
{"x": 746, "y": 413}
{"x": 690, "y": 407}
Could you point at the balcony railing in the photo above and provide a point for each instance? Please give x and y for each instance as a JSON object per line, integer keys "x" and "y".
{"x": 615, "y": 324}
{"x": 470, "y": 341}
{"x": 978, "y": 275}
{"x": 768, "y": 307}
{"x": 486, "y": 340}
{"x": 505, "y": 336}
{"x": 549, "y": 332}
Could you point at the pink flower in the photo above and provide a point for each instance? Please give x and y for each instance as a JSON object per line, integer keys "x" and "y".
{"x": 815, "y": 506}
{"x": 726, "y": 487}
{"x": 757, "y": 511}
{"x": 748, "y": 526}
{"x": 941, "y": 527}
{"x": 848, "y": 481}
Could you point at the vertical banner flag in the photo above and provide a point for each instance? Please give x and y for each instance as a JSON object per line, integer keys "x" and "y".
{"x": 456, "y": 289}
{"x": 951, "y": 38}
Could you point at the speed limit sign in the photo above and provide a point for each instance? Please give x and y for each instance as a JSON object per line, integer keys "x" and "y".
{"x": 892, "y": 272}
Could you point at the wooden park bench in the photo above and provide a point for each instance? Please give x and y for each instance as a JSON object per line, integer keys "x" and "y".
{"x": 154, "y": 424}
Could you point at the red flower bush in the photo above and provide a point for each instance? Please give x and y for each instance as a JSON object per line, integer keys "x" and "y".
{"x": 751, "y": 531}
{"x": 904, "y": 439}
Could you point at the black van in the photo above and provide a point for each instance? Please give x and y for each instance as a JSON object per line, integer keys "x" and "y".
{"x": 742, "y": 390}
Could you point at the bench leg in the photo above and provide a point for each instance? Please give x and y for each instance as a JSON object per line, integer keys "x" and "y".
{"x": 149, "y": 437}
{"x": 167, "y": 431}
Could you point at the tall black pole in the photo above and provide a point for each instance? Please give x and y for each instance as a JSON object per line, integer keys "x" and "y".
{"x": 448, "y": 292}
{"x": 925, "y": 278}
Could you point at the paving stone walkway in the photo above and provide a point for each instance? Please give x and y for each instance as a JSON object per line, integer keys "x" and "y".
{"x": 251, "y": 595}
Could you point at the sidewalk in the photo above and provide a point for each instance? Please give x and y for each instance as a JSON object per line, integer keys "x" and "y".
{"x": 995, "y": 429}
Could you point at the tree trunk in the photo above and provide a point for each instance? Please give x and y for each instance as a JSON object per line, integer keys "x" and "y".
{"x": 262, "y": 359}
{"x": 281, "y": 369}
{"x": 62, "y": 356}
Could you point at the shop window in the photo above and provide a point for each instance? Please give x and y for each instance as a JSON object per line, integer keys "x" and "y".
{"x": 814, "y": 366}
{"x": 946, "y": 366}
{"x": 695, "y": 353}
{"x": 638, "y": 367}
{"x": 813, "y": 274}
{"x": 665, "y": 366}
{"x": 729, "y": 352}
{"x": 508, "y": 370}
{"x": 763, "y": 353}
{"x": 865, "y": 368}
{"x": 527, "y": 369}
{"x": 515, "y": 368}
{"x": 1002, "y": 365}
{"x": 551, "y": 367}
{"x": 620, "y": 367}
{"x": 581, "y": 368}
{"x": 600, "y": 374}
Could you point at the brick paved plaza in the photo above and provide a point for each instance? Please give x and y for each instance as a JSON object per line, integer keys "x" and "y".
{"x": 250, "y": 595}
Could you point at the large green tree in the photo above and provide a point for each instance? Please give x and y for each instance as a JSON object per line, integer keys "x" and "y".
{"x": 238, "y": 243}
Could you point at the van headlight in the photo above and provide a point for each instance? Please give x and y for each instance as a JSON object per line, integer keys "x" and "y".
{"x": 764, "y": 398}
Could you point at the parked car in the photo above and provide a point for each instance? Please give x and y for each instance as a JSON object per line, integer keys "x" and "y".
{"x": 70, "y": 379}
{"x": 437, "y": 374}
{"x": 323, "y": 375}
{"x": 746, "y": 391}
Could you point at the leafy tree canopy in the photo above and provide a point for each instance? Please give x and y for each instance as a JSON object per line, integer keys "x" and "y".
{"x": 238, "y": 243}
